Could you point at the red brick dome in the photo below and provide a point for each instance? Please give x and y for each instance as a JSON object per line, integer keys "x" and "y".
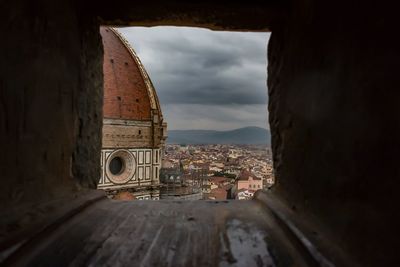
{"x": 128, "y": 91}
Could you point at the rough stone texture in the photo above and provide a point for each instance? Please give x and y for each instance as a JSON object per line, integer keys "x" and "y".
{"x": 50, "y": 107}
{"x": 334, "y": 116}
{"x": 254, "y": 15}
{"x": 39, "y": 83}
{"x": 88, "y": 121}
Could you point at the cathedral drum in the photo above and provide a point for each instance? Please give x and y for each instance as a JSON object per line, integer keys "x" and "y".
{"x": 120, "y": 166}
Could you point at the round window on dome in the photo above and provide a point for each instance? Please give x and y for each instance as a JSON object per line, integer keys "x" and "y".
{"x": 117, "y": 166}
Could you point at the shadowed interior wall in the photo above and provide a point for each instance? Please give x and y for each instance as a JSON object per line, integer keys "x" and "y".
{"x": 334, "y": 114}
{"x": 50, "y": 102}
{"x": 89, "y": 107}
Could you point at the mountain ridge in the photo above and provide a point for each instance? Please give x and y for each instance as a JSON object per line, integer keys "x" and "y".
{"x": 245, "y": 135}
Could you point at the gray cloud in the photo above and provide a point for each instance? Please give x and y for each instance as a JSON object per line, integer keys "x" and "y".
{"x": 200, "y": 73}
{"x": 197, "y": 116}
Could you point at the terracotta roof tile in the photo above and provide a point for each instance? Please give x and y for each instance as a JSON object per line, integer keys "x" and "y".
{"x": 125, "y": 93}
{"x": 246, "y": 174}
{"x": 218, "y": 194}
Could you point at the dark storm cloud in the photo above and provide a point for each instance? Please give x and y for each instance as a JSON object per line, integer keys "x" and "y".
{"x": 192, "y": 68}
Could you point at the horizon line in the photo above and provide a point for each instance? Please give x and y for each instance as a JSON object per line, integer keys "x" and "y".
{"x": 218, "y": 130}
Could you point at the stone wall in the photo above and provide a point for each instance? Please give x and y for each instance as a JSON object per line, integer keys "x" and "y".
{"x": 48, "y": 73}
{"x": 89, "y": 104}
{"x": 335, "y": 120}
{"x": 50, "y": 110}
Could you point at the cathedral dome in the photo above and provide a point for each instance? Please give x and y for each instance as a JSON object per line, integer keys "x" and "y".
{"x": 128, "y": 91}
{"x": 134, "y": 131}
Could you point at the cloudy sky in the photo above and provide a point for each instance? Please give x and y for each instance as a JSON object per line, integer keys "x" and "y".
{"x": 205, "y": 79}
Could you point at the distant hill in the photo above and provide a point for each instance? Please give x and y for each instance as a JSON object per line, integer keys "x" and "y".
{"x": 247, "y": 135}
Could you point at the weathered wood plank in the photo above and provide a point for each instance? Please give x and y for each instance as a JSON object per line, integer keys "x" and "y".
{"x": 165, "y": 233}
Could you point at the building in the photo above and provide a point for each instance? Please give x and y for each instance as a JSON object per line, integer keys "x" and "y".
{"x": 245, "y": 194}
{"x": 173, "y": 175}
{"x": 217, "y": 194}
{"x": 247, "y": 180}
{"x": 134, "y": 131}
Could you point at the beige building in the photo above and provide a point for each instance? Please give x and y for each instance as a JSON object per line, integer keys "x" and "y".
{"x": 134, "y": 131}
{"x": 247, "y": 180}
